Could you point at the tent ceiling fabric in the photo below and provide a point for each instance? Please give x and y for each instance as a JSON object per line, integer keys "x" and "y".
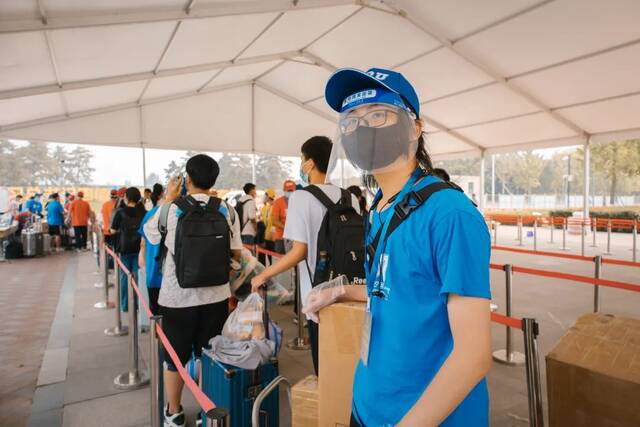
{"x": 248, "y": 75}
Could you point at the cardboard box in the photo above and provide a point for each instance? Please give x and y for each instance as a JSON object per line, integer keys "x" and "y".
{"x": 593, "y": 374}
{"x": 304, "y": 403}
{"x": 340, "y": 330}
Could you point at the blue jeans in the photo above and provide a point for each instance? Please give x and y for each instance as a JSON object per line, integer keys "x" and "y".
{"x": 131, "y": 262}
{"x": 248, "y": 239}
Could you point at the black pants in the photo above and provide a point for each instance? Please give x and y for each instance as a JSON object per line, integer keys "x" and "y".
{"x": 81, "y": 236}
{"x": 154, "y": 293}
{"x": 262, "y": 258}
{"x": 313, "y": 340}
{"x": 354, "y": 422}
{"x": 190, "y": 328}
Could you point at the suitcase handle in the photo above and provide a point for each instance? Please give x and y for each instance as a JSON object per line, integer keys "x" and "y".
{"x": 255, "y": 413}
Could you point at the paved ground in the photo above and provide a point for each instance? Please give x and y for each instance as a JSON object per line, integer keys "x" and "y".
{"x": 29, "y": 293}
{"x": 86, "y": 396}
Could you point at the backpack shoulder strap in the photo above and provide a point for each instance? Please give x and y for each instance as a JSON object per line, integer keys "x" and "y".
{"x": 345, "y": 197}
{"x": 213, "y": 204}
{"x": 405, "y": 208}
{"x": 320, "y": 195}
{"x": 186, "y": 204}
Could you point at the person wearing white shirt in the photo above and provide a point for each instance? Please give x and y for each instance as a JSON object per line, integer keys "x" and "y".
{"x": 247, "y": 204}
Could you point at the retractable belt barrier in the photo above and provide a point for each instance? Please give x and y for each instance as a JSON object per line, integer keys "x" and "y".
{"x": 215, "y": 416}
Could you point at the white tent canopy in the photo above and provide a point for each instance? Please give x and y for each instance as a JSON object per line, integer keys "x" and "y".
{"x": 248, "y": 75}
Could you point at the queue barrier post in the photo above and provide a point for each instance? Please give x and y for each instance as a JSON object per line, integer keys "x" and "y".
{"x": 507, "y": 355}
{"x": 608, "y": 238}
{"x": 156, "y": 374}
{"x": 106, "y": 304}
{"x": 298, "y": 343}
{"x": 594, "y": 230}
{"x": 520, "y": 231}
{"x": 564, "y": 235}
{"x": 582, "y": 234}
{"x": 118, "y": 330}
{"x": 530, "y": 330}
{"x": 134, "y": 378}
{"x": 101, "y": 253}
{"x": 635, "y": 241}
{"x": 535, "y": 234}
{"x": 495, "y": 232}
{"x": 553, "y": 225}
{"x": 597, "y": 260}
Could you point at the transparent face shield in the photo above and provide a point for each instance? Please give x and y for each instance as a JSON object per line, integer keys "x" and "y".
{"x": 371, "y": 139}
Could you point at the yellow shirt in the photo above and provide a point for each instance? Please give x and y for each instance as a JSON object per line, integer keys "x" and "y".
{"x": 265, "y": 217}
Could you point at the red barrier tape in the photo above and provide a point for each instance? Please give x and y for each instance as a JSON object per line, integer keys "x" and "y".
{"x": 261, "y": 250}
{"x": 566, "y": 256}
{"x": 507, "y": 321}
{"x": 205, "y": 403}
{"x": 496, "y": 266}
{"x": 577, "y": 278}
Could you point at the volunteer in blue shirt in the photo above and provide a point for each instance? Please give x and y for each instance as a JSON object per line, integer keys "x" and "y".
{"x": 148, "y": 258}
{"x": 55, "y": 219}
{"x": 426, "y": 344}
{"x": 34, "y": 205}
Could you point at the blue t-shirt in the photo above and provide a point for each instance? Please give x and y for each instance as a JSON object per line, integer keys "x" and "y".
{"x": 442, "y": 247}
{"x": 34, "y": 206}
{"x": 151, "y": 252}
{"x": 55, "y": 213}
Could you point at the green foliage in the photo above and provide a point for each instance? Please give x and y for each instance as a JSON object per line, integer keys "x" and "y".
{"x": 39, "y": 164}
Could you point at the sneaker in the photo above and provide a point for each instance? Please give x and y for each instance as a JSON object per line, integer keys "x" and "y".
{"x": 174, "y": 420}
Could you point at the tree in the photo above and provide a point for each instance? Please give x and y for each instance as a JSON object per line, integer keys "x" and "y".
{"x": 272, "y": 171}
{"x": 172, "y": 170}
{"x": 78, "y": 166}
{"x": 235, "y": 171}
{"x": 152, "y": 178}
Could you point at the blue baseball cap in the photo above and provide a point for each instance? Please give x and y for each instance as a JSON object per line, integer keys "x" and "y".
{"x": 345, "y": 82}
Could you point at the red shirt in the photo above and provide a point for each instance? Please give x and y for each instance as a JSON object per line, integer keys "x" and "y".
{"x": 80, "y": 212}
{"x": 279, "y": 211}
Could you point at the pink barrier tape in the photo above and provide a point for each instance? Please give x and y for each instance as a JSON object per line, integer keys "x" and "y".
{"x": 578, "y": 278}
{"x": 205, "y": 403}
{"x": 260, "y": 250}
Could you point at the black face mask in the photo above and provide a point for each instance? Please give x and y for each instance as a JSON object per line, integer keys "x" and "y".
{"x": 371, "y": 148}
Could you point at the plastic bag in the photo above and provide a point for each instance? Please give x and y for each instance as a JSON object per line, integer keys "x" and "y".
{"x": 249, "y": 268}
{"x": 246, "y": 321}
{"x": 324, "y": 294}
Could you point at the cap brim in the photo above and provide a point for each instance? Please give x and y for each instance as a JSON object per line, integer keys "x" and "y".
{"x": 347, "y": 81}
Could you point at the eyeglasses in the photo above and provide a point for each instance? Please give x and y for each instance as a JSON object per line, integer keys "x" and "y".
{"x": 374, "y": 119}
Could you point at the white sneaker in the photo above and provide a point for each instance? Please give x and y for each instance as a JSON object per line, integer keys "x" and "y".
{"x": 173, "y": 420}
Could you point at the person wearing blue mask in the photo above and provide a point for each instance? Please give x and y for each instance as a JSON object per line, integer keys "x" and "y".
{"x": 149, "y": 261}
{"x": 34, "y": 205}
{"x": 426, "y": 346}
{"x": 304, "y": 219}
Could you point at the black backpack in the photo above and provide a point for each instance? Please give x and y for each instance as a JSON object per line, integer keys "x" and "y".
{"x": 129, "y": 238}
{"x": 202, "y": 251}
{"x": 13, "y": 248}
{"x": 240, "y": 213}
{"x": 340, "y": 239}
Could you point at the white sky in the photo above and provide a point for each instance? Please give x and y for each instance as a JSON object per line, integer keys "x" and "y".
{"x": 115, "y": 165}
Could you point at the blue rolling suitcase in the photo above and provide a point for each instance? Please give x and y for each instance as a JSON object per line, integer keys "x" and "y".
{"x": 235, "y": 390}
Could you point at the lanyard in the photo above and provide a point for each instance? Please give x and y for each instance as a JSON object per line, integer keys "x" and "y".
{"x": 372, "y": 266}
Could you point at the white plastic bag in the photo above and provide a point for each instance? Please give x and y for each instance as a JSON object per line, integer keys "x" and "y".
{"x": 245, "y": 323}
{"x": 323, "y": 295}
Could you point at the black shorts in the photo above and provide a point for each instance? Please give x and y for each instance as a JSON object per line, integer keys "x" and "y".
{"x": 54, "y": 230}
{"x": 190, "y": 328}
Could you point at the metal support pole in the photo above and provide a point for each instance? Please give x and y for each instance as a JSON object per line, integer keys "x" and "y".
{"x": 481, "y": 192}
{"x": 594, "y": 230}
{"x": 608, "y": 238}
{"x": 535, "y": 234}
{"x": 507, "y": 355}
{"x": 553, "y": 225}
{"x": 564, "y": 235}
{"x": 596, "y": 289}
{"x": 156, "y": 373}
{"x": 582, "y": 233}
{"x": 298, "y": 343}
{"x": 106, "y": 304}
{"x": 635, "y": 241}
{"x": 217, "y": 417}
{"x": 270, "y": 388}
{"x": 118, "y": 330}
{"x": 530, "y": 331}
{"x": 134, "y": 378}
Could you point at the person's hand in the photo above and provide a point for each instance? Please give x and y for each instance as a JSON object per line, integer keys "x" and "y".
{"x": 323, "y": 295}
{"x": 257, "y": 282}
{"x": 173, "y": 189}
{"x": 141, "y": 261}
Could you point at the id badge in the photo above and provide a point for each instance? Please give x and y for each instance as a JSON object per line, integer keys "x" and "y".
{"x": 366, "y": 335}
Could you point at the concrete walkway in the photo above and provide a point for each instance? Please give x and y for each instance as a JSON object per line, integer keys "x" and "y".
{"x": 85, "y": 396}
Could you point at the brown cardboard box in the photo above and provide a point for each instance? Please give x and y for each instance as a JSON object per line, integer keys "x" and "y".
{"x": 593, "y": 374}
{"x": 304, "y": 402}
{"x": 340, "y": 330}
